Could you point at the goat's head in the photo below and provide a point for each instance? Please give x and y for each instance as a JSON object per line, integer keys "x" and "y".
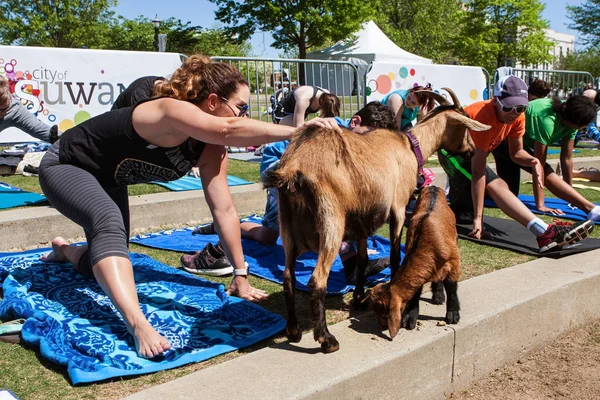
{"x": 456, "y": 139}
{"x": 388, "y": 307}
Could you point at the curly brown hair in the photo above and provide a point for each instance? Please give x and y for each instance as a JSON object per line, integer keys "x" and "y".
{"x": 539, "y": 88}
{"x": 198, "y": 77}
{"x": 4, "y": 90}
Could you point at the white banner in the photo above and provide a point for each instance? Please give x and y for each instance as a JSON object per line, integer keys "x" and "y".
{"x": 68, "y": 86}
{"x": 468, "y": 83}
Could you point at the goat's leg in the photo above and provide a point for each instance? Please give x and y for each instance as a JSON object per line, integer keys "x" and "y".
{"x": 292, "y": 330}
{"x": 396, "y": 224}
{"x": 411, "y": 312}
{"x": 437, "y": 293}
{"x": 451, "y": 286}
{"x": 361, "y": 266}
{"x": 318, "y": 290}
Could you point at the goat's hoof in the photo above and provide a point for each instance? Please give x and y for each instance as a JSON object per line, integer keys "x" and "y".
{"x": 409, "y": 322}
{"x": 294, "y": 335}
{"x": 452, "y": 317}
{"x": 331, "y": 345}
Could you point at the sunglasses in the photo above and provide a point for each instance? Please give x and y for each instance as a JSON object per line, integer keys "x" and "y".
{"x": 519, "y": 109}
{"x": 243, "y": 110}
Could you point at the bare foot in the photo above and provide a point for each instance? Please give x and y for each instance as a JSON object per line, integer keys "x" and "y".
{"x": 148, "y": 342}
{"x": 58, "y": 251}
{"x": 240, "y": 287}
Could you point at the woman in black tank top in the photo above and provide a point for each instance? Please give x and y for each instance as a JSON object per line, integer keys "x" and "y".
{"x": 191, "y": 120}
{"x": 301, "y": 102}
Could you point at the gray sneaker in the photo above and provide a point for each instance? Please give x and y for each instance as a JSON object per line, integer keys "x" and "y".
{"x": 210, "y": 261}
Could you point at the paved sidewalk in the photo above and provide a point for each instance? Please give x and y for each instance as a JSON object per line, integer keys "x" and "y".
{"x": 504, "y": 315}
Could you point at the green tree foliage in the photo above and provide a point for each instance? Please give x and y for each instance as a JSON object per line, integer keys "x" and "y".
{"x": 303, "y": 24}
{"x": 496, "y": 33}
{"x": 586, "y": 60}
{"x": 424, "y": 27}
{"x": 585, "y": 20}
{"x": 65, "y": 23}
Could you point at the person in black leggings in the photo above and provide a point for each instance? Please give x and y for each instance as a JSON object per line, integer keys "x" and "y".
{"x": 86, "y": 173}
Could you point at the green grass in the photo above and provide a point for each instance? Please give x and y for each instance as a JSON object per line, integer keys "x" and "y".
{"x": 29, "y": 376}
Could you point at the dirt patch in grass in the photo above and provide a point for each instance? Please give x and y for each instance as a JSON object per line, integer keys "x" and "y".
{"x": 569, "y": 368}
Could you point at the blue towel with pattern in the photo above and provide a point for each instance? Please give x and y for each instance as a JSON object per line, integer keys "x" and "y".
{"x": 268, "y": 262}
{"x": 571, "y": 212}
{"x": 11, "y": 196}
{"x": 192, "y": 183}
{"x": 76, "y": 326}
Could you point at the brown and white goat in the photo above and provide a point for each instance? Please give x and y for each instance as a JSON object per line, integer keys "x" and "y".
{"x": 431, "y": 256}
{"x": 343, "y": 185}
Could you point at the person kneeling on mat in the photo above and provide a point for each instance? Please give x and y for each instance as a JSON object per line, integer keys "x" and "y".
{"x": 85, "y": 175}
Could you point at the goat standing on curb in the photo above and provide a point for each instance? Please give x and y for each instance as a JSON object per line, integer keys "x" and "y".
{"x": 336, "y": 186}
{"x": 431, "y": 256}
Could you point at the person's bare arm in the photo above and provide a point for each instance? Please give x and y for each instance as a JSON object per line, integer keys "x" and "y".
{"x": 397, "y": 105}
{"x": 168, "y": 122}
{"x": 566, "y": 159}
{"x": 478, "y": 164}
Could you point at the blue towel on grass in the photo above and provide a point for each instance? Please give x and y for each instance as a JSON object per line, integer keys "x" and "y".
{"x": 193, "y": 183}
{"x": 571, "y": 212}
{"x": 268, "y": 262}
{"x": 11, "y": 196}
{"x": 75, "y": 325}
{"x": 557, "y": 151}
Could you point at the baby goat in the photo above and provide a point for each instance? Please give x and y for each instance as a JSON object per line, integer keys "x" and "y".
{"x": 336, "y": 186}
{"x": 431, "y": 256}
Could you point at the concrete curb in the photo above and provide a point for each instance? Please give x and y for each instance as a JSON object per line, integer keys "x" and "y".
{"x": 27, "y": 227}
{"x": 504, "y": 315}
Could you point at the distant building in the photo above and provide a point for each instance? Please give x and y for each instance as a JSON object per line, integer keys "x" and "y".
{"x": 564, "y": 44}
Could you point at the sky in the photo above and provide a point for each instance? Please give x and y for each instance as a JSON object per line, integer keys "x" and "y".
{"x": 201, "y": 12}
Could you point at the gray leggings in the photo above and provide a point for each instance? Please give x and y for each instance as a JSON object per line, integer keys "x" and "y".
{"x": 102, "y": 212}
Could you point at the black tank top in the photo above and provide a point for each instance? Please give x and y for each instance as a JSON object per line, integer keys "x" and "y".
{"x": 289, "y": 102}
{"x": 109, "y": 148}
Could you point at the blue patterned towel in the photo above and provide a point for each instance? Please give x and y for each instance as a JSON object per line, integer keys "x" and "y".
{"x": 268, "y": 262}
{"x": 571, "y": 212}
{"x": 75, "y": 325}
{"x": 192, "y": 183}
{"x": 11, "y": 196}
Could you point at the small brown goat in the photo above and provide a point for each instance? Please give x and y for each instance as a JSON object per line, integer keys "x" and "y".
{"x": 431, "y": 256}
{"x": 334, "y": 186}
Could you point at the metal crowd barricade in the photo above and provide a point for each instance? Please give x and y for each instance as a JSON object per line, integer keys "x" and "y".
{"x": 274, "y": 77}
{"x": 564, "y": 83}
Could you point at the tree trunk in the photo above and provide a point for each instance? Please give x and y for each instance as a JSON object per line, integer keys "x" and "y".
{"x": 302, "y": 55}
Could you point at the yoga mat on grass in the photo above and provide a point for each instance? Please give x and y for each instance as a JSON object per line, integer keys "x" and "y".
{"x": 192, "y": 183}
{"x": 11, "y": 196}
{"x": 268, "y": 262}
{"x": 76, "y": 326}
{"x": 571, "y": 212}
{"x": 557, "y": 151}
{"x": 509, "y": 234}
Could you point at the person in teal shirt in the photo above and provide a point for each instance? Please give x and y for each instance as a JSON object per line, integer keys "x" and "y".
{"x": 408, "y": 105}
{"x": 548, "y": 121}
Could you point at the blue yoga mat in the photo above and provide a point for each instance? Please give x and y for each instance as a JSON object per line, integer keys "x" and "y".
{"x": 557, "y": 151}
{"x": 268, "y": 262}
{"x": 11, "y": 196}
{"x": 192, "y": 183}
{"x": 75, "y": 325}
{"x": 571, "y": 212}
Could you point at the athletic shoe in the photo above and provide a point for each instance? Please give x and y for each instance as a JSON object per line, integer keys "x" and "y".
{"x": 209, "y": 261}
{"x": 208, "y": 229}
{"x": 560, "y": 234}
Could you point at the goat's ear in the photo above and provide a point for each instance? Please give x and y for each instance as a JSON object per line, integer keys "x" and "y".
{"x": 456, "y": 118}
{"x": 368, "y": 297}
{"x": 394, "y": 315}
